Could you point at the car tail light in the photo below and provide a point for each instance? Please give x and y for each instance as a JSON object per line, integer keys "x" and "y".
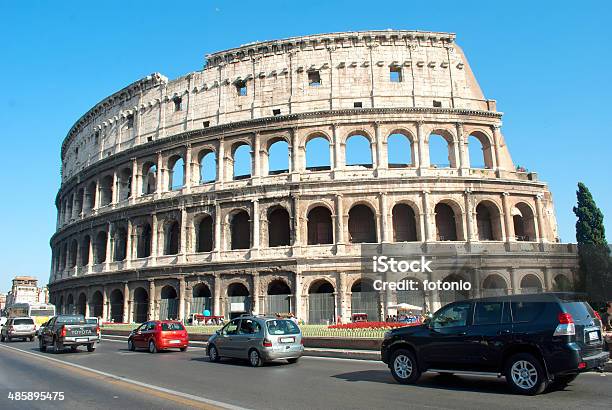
{"x": 267, "y": 343}
{"x": 582, "y": 365}
{"x": 597, "y": 315}
{"x": 98, "y": 329}
{"x": 566, "y": 325}
{"x": 63, "y": 331}
{"x": 302, "y": 341}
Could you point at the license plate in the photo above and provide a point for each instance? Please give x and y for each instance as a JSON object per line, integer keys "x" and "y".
{"x": 287, "y": 339}
{"x": 175, "y": 341}
{"x": 81, "y": 339}
{"x": 593, "y": 335}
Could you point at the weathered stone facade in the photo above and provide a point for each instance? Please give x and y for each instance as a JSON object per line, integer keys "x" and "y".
{"x": 132, "y": 242}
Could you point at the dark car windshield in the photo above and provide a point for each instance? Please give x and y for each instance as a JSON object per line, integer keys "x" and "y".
{"x": 71, "y": 320}
{"x": 171, "y": 326}
{"x": 282, "y": 327}
{"x": 25, "y": 321}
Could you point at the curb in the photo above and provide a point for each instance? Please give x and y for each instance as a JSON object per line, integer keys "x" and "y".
{"x": 608, "y": 366}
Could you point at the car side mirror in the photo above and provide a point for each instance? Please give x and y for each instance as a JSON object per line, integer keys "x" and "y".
{"x": 217, "y": 332}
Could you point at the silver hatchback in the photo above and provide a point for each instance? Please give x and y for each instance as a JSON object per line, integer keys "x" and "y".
{"x": 258, "y": 339}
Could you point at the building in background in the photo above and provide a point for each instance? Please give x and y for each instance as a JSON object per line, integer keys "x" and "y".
{"x": 2, "y": 301}
{"x": 25, "y": 290}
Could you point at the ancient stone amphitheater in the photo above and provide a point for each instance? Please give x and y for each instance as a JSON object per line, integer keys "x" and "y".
{"x": 156, "y": 220}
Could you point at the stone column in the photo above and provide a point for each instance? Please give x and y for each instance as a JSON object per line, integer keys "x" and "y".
{"x": 423, "y": 148}
{"x": 470, "y": 233}
{"x": 181, "y": 309}
{"x": 342, "y": 309}
{"x": 105, "y": 317}
{"x": 464, "y": 158}
{"x": 256, "y": 158}
{"x": 297, "y": 296}
{"x": 160, "y": 180}
{"x": 221, "y": 162}
{"x": 508, "y": 221}
{"x": 540, "y": 211}
{"x": 338, "y": 162}
{"x": 384, "y": 216}
{"x": 428, "y": 233}
{"x": 382, "y": 159}
{"x": 217, "y": 296}
{"x": 135, "y": 188}
{"x": 183, "y": 238}
{"x": 255, "y": 225}
{"x": 151, "y": 299}
{"x": 115, "y": 188}
{"x": 496, "y": 138}
{"x": 128, "y": 244}
{"x": 96, "y": 204}
{"x": 154, "y": 235}
{"x": 90, "y": 256}
{"x": 256, "y": 305}
{"x": 217, "y": 245}
{"x": 188, "y": 169}
{"x": 340, "y": 239}
{"x": 126, "y": 303}
{"x": 514, "y": 282}
{"x": 294, "y": 160}
{"x": 109, "y": 246}
{"x": 88, "y": 293}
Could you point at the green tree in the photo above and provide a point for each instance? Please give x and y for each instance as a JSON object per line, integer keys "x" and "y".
{"x": 593, "y": 251}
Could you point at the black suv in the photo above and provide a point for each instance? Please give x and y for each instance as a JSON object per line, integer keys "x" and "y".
{"x": 532, "y": 340}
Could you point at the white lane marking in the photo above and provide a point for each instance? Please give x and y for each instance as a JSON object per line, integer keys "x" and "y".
{"x": 135, "y": 382}
{"x": 105, "y": 338}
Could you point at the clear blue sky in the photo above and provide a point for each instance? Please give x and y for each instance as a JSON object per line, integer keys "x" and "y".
{"x": 547, "y": 65}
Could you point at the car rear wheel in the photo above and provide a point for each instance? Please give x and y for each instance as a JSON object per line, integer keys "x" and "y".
{"x": 91, "y": 347}
{"x": 183, "y": 349}
{"x": 213, "y": 353}
{"x": 525, "y": 374}
{"x": 404, "y": 367}
{"x": 2, "y": 338}
{"x": 294, "y": 360}
{"x": 59, "y": 346}
{"x": 255, "y": 358}
{"x": 152, "y": 347}
{"x": 73, "y": 348}
{"x": 41, "y": 345}
{"x": 131, "y": 346}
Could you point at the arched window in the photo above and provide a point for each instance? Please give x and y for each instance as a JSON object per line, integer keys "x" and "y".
{"x": 101, "y": 247}
{"x": 202, "y": 299}
{"x": 96, "y": 304}
{"x": 278, "y": 298}
{"x": 116, "y": 306}
{"x": 358, "y": 151}
{"x": 149, "y": 178}
{"x": 81, "y": 304}
{"x": 488, "y": 221}
{"x": 446, "y": 224}
{"x": 85, "y": 250}
{"x": 144, "y": 241}
{"x": 120, "y": 244}
{"x": 238, "y": 300}
{"x": 480, "y": 150}
{"x": 168, "y": 307}
{"x": 404, "y": 224}
{"x": 278, "y": 157}
{"x": 176, "y": 167}
{"x": 321, "y": 303}
{"x": 172, "y": 237}
{"x": 240, "y": 228}
{"x": 364, "y": 299}
{"x": 204, "y": 238}
{"x": 524, "y": 222}
{"x": 73, "y": 253}
{"x": 125, "y": 184}
{"x": 441, "y": 153}
{"x": 208, "y": 166}
{"x": 454, "y": 292}
{"x": 79, "y": 201}
{"x": 141, "y": 305}
{"x": 494, "y": 285}
{"x": 562, "y": 284}
{"x": 531, "y": 284}
{"x": 90, "y": 197}
{"x": 106, "y": 190}
{"x": 361, "y": 225}
{"x": 399, "y": 151}
{"x": 320, "y": 229}
{"x": 242, "y": 161}
{"x": 70, "y": 305}
{"x": 278, "y": 227}
{"x": 317, "y": 154}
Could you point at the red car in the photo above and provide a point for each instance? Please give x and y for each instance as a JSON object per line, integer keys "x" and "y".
{"x": 159, "y": 335}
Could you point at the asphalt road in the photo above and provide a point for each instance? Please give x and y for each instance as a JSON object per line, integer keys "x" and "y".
{"x": 190, "y": 380}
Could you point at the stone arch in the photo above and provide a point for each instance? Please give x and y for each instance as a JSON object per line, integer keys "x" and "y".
{"x": 494, "y": 285}
{"x": 168, "y": 307}
{"x": 240, "y": 229}
{"x": 405, "y": 223}
{"x": 124, "y": 184}
{"x": 317, "y": 147}
{"x": 96, "y": 306}
{"x": 488, "y": 221}
{"x": 106, "y": 190}
{"x": 278, "y": 297}
{"x": 523, "y": 219}
{"x": 321, "y": 302}
{"x": 85, "y": 243}
{"x": 176, "y": 172}
{"x": 364, "y": 299}
{"x": 242, "y": 162}
{"x": 140, "y": 306}
{"x": 204, "y": 228}
{"x": 73, "y": 253}
{"x": 144, "y": 241}
{"x": 70, "y": 308}
{"x": 400, "y": 149}
{"x": 279, "y": 227}
{"x": 90, "y": 197}
{"x": 445, "y": 146}
{"x": 61, "y": 305}
{"x": 362, "y": 224}
{"x": 484, "y": 158}
{"x": 455, "y": 292}
{"x": 277, "y": 156}
{"x": 531, "y": 283}
{"x": 415, "y": 297}
{"x": 448, "y": 219}
{"x": 120, "y": 241}
{"x": 100, "y": 254}
{"x": 561, "y": 283}
{"x": 238, "y": 297}
{"x": 207, "y": 162}
{"x": 116, "y": 306}
{"x": 81, "y": 304}
{"x": 149, "y": 178}
{"x": 172, "y": 237}
{"x": 358, "y": 149}
{"x": 201, "y": 298}
{"x": 320, "y": 226}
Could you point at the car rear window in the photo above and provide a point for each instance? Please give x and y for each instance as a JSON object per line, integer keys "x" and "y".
{"x": 282, "y": 327}
{"x": 23, "y": 322}
{"x": 91, "y": 321}
{"x": 166, "y": 327}
{"x": 580, "y": 311}
{"x": 71, "y": 320}
{"x": 526, "y": 311}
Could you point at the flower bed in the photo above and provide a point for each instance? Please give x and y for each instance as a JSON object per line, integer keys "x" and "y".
{"x": 371, "y": 325}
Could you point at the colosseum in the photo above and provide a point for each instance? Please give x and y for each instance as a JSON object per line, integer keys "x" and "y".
{"x": 264, "y": 183}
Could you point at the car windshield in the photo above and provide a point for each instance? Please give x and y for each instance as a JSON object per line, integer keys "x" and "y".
{"x": 171, "y": 326}
{"x": 71, "y": 320}
{"x": 23, "y": 322}
{"x": 282, "y": 327}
